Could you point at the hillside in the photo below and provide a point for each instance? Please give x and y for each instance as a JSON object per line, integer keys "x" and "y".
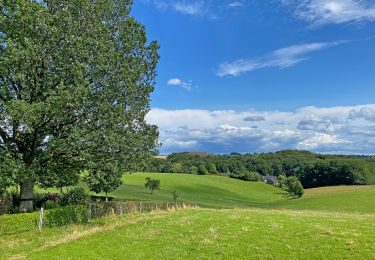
{"x": 203, "y": 234}
{"x": 207, "y": 191}
{"x": 339, "y": 198}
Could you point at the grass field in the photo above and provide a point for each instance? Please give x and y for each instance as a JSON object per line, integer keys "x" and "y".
{"x": 203, "y": 234}
{"x": 207, "y": 191}
{"x": 340, "y": 198}
{"x": 221, "y": 192}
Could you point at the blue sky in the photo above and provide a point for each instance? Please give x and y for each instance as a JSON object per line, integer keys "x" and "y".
{"x": 257, "y": 76}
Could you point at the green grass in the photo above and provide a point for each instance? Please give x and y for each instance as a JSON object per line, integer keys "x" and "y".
{"x": 340, "y": 198}
{"x": 207, "y": 191}
{"x": 204, "y": 234}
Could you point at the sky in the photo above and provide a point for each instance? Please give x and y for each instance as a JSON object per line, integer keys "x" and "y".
{"x": 262, "y": 76}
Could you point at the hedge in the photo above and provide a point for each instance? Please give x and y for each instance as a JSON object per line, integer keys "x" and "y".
{"x": 16, "y": 223}
{"x": 64, "y": 216}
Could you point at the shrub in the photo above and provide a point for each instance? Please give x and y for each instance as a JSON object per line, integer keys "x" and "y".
{"x": 202, "y": 170}
{"x": 212, "y": 169}
{"x": 4, "y": 203}
{"x": 193, "y": 170}
{"x": 251, "y": 176}
{"x": 294, "y": 186}
{"x": 17, "y": 223}
{"x": 49, "y": 204}
{"x": 64, "y": 216}
{"x": 74, "y": 196}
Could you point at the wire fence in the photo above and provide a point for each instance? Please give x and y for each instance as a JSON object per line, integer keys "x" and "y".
{"x": 100, "y": 209}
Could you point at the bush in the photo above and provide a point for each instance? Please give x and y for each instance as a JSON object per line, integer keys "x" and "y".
{"x": 202, "y": 170}
{"x": 74, "y": 196}
{"x": 4, "y": 203}
{"x": 49, "y": 204}
{"x": 294, "y": 186}
{"x": 252, "y": 176}
{"x": 17, "y": 223}
{"x": 64, "y": 216}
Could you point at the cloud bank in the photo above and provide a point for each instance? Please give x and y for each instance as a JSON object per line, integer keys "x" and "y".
{"x": 349, "y": 129}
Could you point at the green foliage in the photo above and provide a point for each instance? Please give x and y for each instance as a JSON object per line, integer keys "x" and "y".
{"x": 193, "y": 170}
{"x": 75, "y": 196}
{"x": 49, "y": 204}
{"x": 282, "y": 180}
{"x": 66, "y": 215}
{"x": 17, "y": 223}
{"x": 76, "y": 79}
{"x": 152, "y": 184}
{"x": 252, "y": 176}
{"x": 176, "y": 168}
{"x": 101, "y": 181}
{"x": 202, "y": 170}
{"x": 313, "y": 170}
{"x": 212, "y": 169}
{"x": 294, "y": 186}
{"x": 175, "y": 196}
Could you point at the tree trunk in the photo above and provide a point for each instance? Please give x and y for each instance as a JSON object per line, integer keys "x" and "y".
{"x": 106, "y": 197}
{"x": 27, "y": 192}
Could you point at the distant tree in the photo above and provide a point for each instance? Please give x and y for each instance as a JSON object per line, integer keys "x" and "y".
{"x": 252, "y": 176}
{"x": 202, "y": 170}
{"x": 212, "y": 169}
{"x": 282, "y": 180}
{"x": 59, "y": 180}
{"x": 193, "y": 170}
{"x": 152, "y": 184}
{"x": 175, "y": 196}
{"x": 294, "y": 186}
{"x": 100, "y": 181}
{"x": 177, "y": 168}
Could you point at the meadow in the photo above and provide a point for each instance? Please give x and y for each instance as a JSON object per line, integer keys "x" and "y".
{"x": 204, "y": 234}
{"x": 211, "y": 191}
{"x": 235, "y": 219}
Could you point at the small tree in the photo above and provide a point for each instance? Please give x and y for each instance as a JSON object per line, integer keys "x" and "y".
{"x": 152, "y": 184}
{"x": 282, "y": 180}
{"x": 202, "y": 170}
{"x": 212, "y": 169}
{"x": 177, "y": 168}
{"x": 193, "y": 170}
{"x": 294, "y": 186}
{"x": 100, "y": 181}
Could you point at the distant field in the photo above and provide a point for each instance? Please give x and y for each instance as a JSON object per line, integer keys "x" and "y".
{"x": 207, "y": 191}
{"x": 221, "y": 192}
{"x": 203, "y": 234}
{"x": 340, "y": 198}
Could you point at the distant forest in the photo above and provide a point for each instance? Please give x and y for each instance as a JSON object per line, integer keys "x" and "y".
{"x": 313, "y": 170}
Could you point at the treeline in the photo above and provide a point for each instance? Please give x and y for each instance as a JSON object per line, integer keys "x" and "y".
{"x": 313, "y": 170}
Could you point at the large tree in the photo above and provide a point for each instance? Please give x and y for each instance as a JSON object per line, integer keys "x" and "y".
{"x": 75, "y": 84}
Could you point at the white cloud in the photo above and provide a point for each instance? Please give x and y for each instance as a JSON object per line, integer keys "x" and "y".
{"x": 318, "y": 129}
{"x": 179, "y": 83}
{"x": 281, "y": 58}
{"x": 236, "y": 4}
{"x": 320, "y": 12}
{"x": 190, "y": 8}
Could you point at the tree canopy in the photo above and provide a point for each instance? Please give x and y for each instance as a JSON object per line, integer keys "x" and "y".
{"x": 75, "y": 84}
